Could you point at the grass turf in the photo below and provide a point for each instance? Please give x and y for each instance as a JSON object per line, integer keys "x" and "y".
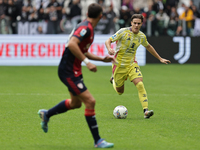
{"x": 173, "y": 93}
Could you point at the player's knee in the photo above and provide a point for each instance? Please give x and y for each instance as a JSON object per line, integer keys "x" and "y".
{"x": 91, "y": 103}
{"x": 120, "y": 91}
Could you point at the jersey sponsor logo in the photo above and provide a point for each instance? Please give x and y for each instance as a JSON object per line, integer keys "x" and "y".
{"x": 128, "y": 38}
{"x": 80, "y": 85}
{"x": 114, "y": 36}
{"x": 83, "y": 32}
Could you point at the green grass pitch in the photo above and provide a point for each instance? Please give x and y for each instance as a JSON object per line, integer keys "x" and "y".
{"x": 173, "y": 92}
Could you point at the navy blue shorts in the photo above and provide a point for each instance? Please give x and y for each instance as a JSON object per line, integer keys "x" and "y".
{"x": 75, "y": 84}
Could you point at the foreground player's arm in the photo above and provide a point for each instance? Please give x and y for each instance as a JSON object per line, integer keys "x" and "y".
{"x": 155, "y": 54}
{"x": 108, "y": 46}
{"x": 74, "y": 48}
{"x": 105, "y": 59}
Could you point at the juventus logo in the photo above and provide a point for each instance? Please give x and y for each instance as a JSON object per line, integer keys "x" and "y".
{"x": 184, "y": 49}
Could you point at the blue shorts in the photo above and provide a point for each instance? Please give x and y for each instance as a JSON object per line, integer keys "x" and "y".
{"x": 75, "y": 84}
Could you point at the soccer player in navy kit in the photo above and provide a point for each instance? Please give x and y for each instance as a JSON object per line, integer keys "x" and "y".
{"x": 69, "y": 71}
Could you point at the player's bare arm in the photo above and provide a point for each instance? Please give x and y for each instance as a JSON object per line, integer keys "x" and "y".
{"x": 105, "y": 59}
{"x": 108, "y": 46}
{"x": 74, "y": 48}
{"x": 155, "y": 54}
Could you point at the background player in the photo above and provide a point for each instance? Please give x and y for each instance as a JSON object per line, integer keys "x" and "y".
{"x": 76, "y": 51}
{"x": 128, "y": 40}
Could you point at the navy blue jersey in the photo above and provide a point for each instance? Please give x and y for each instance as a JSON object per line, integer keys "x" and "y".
{"x": 70, "y": 65}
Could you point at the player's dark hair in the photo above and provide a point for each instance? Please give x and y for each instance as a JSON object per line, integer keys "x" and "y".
{"x": 94, "y": 10}
{"x": 138, "y": 16}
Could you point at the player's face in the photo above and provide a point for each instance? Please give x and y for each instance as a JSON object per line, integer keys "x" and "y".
{"x": 136, "y": 25}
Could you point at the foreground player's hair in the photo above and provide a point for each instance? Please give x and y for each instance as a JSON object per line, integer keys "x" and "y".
{"x": 94, "y": 10}
{"x": 139, "y": 16}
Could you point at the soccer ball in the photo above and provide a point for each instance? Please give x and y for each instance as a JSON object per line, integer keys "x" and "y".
{"x": 120, "y": 112}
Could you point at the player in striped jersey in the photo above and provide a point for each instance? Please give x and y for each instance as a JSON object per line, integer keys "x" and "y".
{"x": 127, "y": 41}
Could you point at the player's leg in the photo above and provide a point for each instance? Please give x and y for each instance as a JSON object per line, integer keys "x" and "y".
{"x": 141, "y": 92}
{"x": 61, "y": 107}
{"x": 89, "y": 101}
{"x": 119, "y": 90}
{"x": 64, "y": 105}
{"x": 118, "y": 78}
{"x": 135, "y": 76}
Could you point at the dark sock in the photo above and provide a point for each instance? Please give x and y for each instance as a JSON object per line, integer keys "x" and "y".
{"x": 59, "y": 108}
{"x": 92, "y": 123}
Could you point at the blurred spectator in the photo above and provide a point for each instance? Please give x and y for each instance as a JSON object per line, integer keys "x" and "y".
{"x": 196, "y": 23}
{"x": 159, "y": 5}
{"x": 75, "y": 12}
{"x": 116, "y": 5}
{"x": 152, "y": 19}
{"x": 29, "y": 12}
{"x": 12, "y": 13}
{"x": 196, "y": 13}
{"x": 103, "y": 25}
{"x": 66, "y": 8}
{"x": 169, "y": 4}
{"x": 187, "y": 16}
{"x": 129, "y": 5}
{"x": 181, "y": 9}
{"x": 144, "y": 24}
{"x": 125, "y": 16}
{"x": 4, "y": 23}
{"x": 173, "y": 22}
{"x": 84, "y": 5}
{"x": 137, "y": 10}
{"x": 41, "y": 6}
{"x": 55, "y": 16}
{"x": 2, "y": 8}
{"x": 113, "y": 19}
{"x": 40, "y": 30}
{"x": 102, "y": 3}
{"x": 162, "y": 21}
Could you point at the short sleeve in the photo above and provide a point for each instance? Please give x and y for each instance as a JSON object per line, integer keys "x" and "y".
{"x": 145, "y": 42}
{"x": 117, "y": 35}
{"x": 82, "y": 32}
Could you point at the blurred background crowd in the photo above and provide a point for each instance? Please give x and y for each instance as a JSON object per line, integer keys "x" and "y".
{"x": 161, "y": 17}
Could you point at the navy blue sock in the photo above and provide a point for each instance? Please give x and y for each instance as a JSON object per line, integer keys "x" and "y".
{"x": 92, "y": 123}
{"x": 59, "y": 108}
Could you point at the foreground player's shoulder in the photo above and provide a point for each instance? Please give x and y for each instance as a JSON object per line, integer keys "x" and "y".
{"x": 83, "y": 30}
